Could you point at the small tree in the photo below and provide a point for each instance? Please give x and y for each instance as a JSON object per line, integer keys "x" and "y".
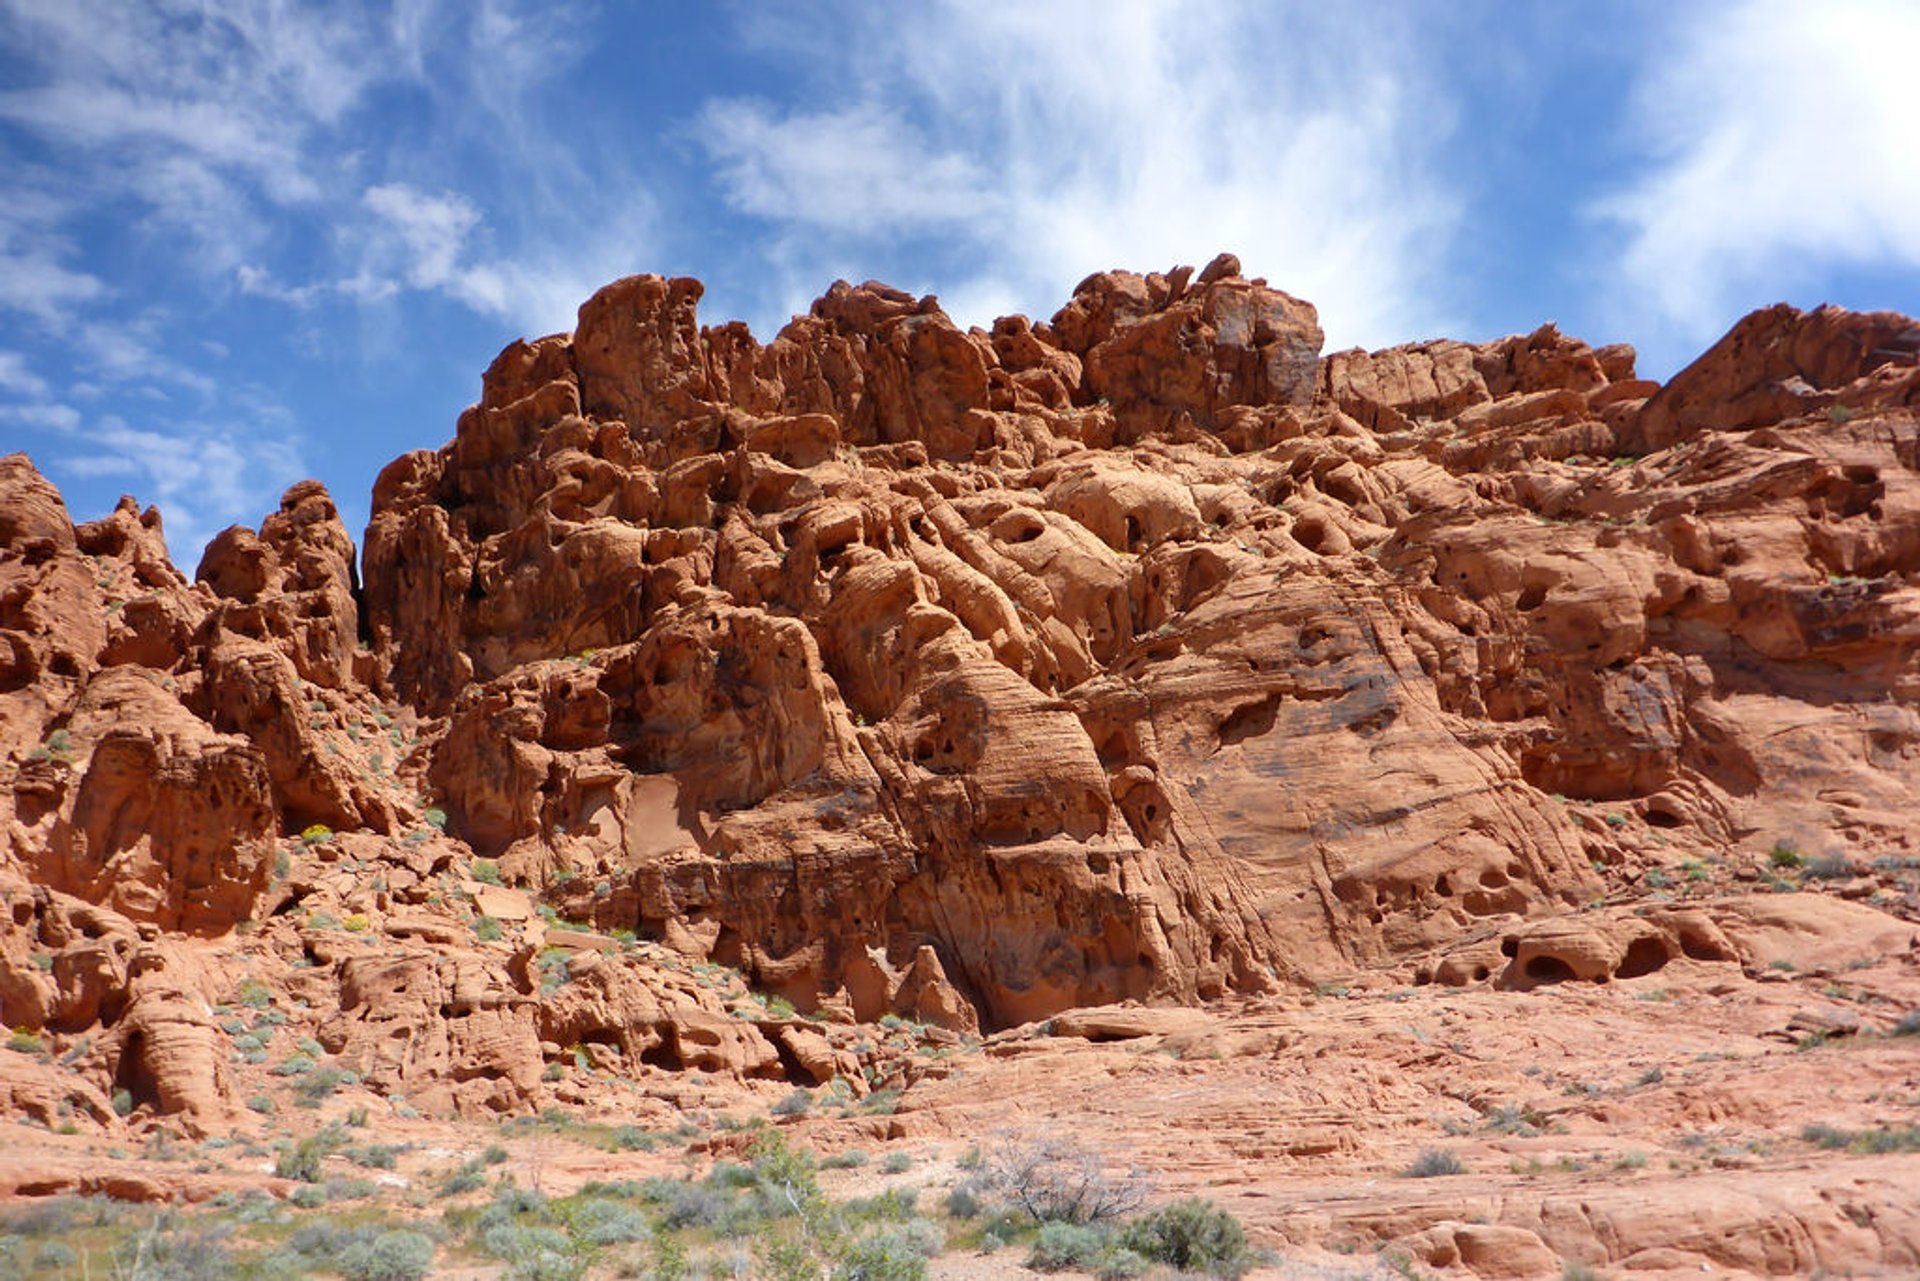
{"x": 1059, "y": 1180}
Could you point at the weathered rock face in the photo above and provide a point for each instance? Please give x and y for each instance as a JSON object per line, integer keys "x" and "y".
{"x": 1140, "y": 653}
{"x": 975, "y": 676}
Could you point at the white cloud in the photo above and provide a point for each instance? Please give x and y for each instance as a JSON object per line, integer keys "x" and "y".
{"x": 16, "y": 376}
{"x": 1782, "y": 143}
{"x": 129, "y": 352}
{"x": 204, "y": 476}
{"x": 1041, "y": 143}
{"x": 841, "y": 169}
{"x": 427, "y": 236}
{"x": 47, "y": 417}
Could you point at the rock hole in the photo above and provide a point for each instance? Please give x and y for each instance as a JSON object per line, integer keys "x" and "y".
{"x": 1645, "y": 955}
{"x": 1250, "y": 720}
{"x": 663, "y": 1054}
{"x": 1660, "y": 816}
{"x": 132, "y": 1073}
{"x": 1480, "y": 973}
{"x": 1531, "y": 598}
{"x": 1548, "y": 969}
{"x": 1509, "y": 946}
{"x": 1701, "y": 948}
{"x": 1443, "y": 887}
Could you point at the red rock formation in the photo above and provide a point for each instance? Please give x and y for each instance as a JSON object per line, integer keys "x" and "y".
{"x": 1140, "y": 654}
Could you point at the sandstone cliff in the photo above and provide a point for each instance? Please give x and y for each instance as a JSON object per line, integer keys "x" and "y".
{"x": 1145, "y": 653}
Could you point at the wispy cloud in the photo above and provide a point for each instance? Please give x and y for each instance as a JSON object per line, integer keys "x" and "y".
{"x": 1054, "y": 141}
{"x": 204, "y": 475}
{"x": 18, "y": 377}
{"x": 1782, "y": 144}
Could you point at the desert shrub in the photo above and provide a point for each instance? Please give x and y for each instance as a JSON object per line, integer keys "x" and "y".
{"x": 1865, "y": 1142}
{"x": 1062, "y": 1245}
{"x": 122, "y": 1101}
{"x": 55, "y": 1256}
{"x": 302, "y": 1161}
{"x": 307, "y": 1197}
{"x": 1433, "y": 1162}
{"x": 375, "y": 1156}
{"x": 690, "y": 1205}
{"x": 169, "y": 1250}
{"x": 967, "y": 1199}
{"x": 24, "y": 1040}
{"x": 898, "y": 1254}
{"x": 1830, "y": 867}
{"x": 795, "y": 1104}
{"x": 852, "y": 1159}
{"x": 1123, "y": 1265}
{"x": 896, "y": 1163}
{"x": 604, "y": 1222}
{"x": 1783, "y": 855}
{"x": 50, "y": 1216}
{"x": 516, "y": 1241}
{"x": 1058, "y": 1180}
{"x": 1192, "y": 1235}
{"x": 1909, "y": 1024}
{"x": 486, "y": 929}
{"x": 320, "y": 1084}
{"x": 486, "y": 871}
{"x": 895, "y": 1203}
{"x": 631, "y": 1138}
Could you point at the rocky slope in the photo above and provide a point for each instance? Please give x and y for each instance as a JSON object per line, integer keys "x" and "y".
{"x": 1146, "y": 654}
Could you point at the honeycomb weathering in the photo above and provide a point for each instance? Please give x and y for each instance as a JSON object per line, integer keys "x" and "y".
{"x": 1144, "y": 653}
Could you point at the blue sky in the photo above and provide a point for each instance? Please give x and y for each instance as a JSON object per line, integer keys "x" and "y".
{"x": 245, "y": 243}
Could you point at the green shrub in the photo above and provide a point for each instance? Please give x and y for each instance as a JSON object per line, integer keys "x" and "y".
{"x": 486, "y": 871}
{"x": 851, "y": 1159}
{"x": 896, "y": 1163}
{"x": 375, "y": 1156}
{"x": 320, "y": 1084}
{"x": 24, "y": 1041}
{"x": 1192, "y": 1235}
{"x": 486, "y": 929}
{"x": 55, "y": 1256}
{"x": 1830, "y": 867}
{"x": 1433, "y": 1162}
{"x": 898, "y": 1254}
{"x": 603, "y": 1222}
{"x": 1062, "y": 1245}
{"x": 1909, "y": 1024}
{"x": 398, "y": 1254}
{"x": 122, "y": 1101}
{"x": 302, "y": 1161}
{"x": 316, "y": 833}
{"x": 1783, "y": 855}
{"x": 794, "y": 1104}
{"x": 631, "y": 1138}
